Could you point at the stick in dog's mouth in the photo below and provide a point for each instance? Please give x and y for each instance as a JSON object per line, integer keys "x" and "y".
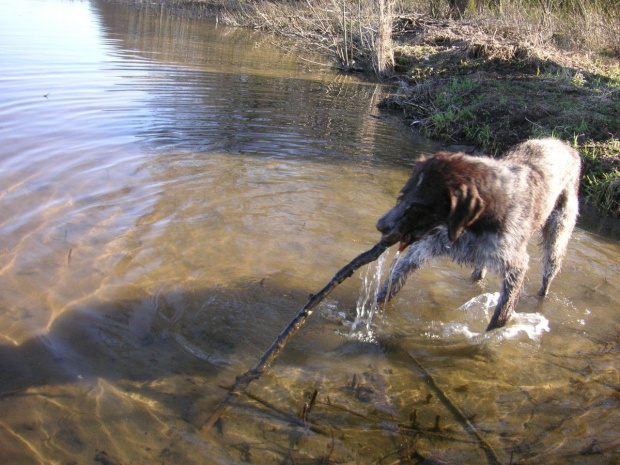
{"x": 408, "y": 239}
{"x": 404, "y": 242}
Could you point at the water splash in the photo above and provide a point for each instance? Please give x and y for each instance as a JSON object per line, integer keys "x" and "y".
{"x": 479, "y": 310}
{"x": 363, "y": 328}
{"x": 483, "y": 302}
{"x": 531, "y": 324}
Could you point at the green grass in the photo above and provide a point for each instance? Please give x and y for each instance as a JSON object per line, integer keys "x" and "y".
{"x": 495, "y": 104}
{"x": 601, "y": 181}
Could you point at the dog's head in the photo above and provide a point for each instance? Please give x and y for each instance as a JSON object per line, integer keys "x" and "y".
{"x": 439, "y": 194}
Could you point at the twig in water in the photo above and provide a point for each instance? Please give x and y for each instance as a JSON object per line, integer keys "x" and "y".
{"x": 243, "y": 381}
{"x": 286, "y": 416}
{"x": 312, "y": 401}
{"x": 306, "y": 408}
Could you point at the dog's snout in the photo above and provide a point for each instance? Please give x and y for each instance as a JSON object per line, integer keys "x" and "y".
{"x": 391, "y": 219}
{"x": 388, "y": 225}
{"x": 384, "y": 225}
{"x": 388, "y": 222}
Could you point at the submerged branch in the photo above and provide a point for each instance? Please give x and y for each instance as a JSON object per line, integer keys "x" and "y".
{"x": 490, "y": 453}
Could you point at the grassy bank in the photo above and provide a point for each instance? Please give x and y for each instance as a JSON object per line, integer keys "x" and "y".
{"x": 461, "y": 84}
{"x": 487, "y": 73}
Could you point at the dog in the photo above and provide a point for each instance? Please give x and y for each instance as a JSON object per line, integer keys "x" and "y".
{"x": 482, "y": 212}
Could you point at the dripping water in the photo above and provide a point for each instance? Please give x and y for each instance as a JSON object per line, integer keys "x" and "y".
{"x": 363, "y": 327}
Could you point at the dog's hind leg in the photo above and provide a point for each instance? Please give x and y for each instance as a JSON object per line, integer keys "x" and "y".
{"x": 556, "y": 233}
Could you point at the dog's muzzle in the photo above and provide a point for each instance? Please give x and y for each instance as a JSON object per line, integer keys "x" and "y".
{"x": 389, "y": 225}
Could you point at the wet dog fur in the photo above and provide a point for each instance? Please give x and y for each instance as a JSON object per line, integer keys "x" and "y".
{"x": 482, "y": 212}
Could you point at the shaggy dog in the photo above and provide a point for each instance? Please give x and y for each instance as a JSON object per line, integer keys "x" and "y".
{"x": 482, "y": 212}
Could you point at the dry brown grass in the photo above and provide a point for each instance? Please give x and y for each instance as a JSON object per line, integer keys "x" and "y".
{"x": 591, "y": 25}
{"x": 358, "y": 33}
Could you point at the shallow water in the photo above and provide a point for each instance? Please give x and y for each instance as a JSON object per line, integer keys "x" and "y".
{"x": 172, "y": 191}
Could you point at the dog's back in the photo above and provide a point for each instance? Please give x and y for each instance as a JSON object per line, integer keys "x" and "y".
{"x": 554, "y": 168}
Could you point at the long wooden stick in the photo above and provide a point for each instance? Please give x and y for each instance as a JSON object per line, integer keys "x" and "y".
{"x": 243, "y": 381}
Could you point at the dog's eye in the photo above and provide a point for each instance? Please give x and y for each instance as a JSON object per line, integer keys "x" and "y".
{"x": 415, "y": 205}
{"x": 420, "y": 179}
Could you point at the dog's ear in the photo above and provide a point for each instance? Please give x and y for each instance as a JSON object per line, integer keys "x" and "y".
{"x": 466, "y": 206}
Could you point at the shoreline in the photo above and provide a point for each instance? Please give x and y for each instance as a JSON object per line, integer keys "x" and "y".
{"x": 461, "y": 87}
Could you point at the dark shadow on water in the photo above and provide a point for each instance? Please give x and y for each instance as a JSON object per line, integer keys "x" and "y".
{"x": 592, "y": 220}
{"x": 214, "y": 334}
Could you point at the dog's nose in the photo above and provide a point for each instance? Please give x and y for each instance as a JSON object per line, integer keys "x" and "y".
{"x": 388, "y": 222}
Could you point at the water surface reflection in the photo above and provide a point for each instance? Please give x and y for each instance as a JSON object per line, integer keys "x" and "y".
{"x": 173, "y": 191}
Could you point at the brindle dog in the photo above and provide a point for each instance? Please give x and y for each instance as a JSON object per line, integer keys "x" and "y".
{"x": 483, "y": 212}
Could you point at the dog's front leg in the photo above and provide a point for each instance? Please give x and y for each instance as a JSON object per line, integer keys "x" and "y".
{"x": 416, "y": 256}
{"x": 508, "y": 299}
{"x": 396, "y": 280}
{"x": 479, "y": 273}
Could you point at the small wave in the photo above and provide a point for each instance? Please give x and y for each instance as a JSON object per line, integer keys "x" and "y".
{"x": 476, "y": 314}
{"x": 480, "y": 309}
{"x": 351, "y": 328}
{"x": 532, "y": 324}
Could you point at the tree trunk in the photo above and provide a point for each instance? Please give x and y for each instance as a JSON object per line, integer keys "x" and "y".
{"x": 384, "y": 50}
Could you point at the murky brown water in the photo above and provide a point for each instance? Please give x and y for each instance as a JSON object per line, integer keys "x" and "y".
{"x": 172, "y": 191}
